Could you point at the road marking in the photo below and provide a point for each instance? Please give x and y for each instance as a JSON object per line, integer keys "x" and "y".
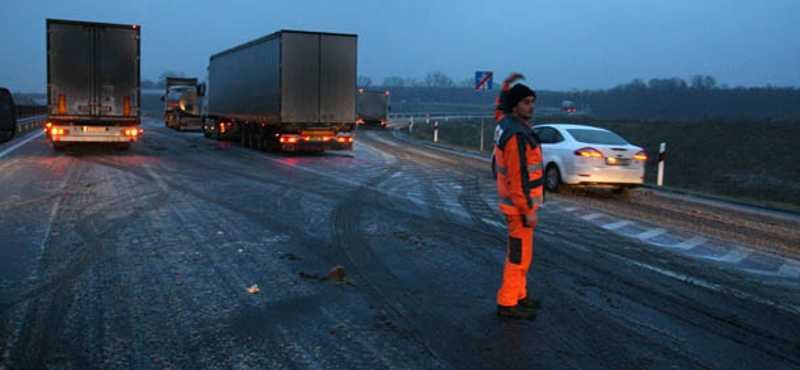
{"x": 689, "y": 243}
{"x": 734, "y": 256}
{"x": 793, "y": 309}
{"x": 617, "y": 225}
{"x": 790, "y": 269}
{"x": 570, "y": 209}
{"x": 592, "y": 216}
{"x": 17, "y": 145}
{"x": 650, "y": 233}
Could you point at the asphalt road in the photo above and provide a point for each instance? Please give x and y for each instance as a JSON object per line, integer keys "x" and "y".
{"x": 143, "y": 260}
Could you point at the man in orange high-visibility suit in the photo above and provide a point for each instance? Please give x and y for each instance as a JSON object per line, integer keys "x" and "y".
{"x": 519, "y": 173}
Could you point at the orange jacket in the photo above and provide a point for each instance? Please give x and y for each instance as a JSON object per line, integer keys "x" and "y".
{"x": 518, "y": 157}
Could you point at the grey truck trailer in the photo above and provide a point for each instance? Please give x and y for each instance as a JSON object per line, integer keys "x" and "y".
{"x": 291, "y": 90}
{"x": 373, "y": 107}
{"x": 92, "y": 83}
{"x": 182, "y": 103}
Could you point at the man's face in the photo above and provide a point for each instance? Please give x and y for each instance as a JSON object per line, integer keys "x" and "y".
{"x": 524, "y": 109}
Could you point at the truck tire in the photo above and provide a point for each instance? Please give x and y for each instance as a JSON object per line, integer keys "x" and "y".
{"x": 59, "y": 147}
{"x": 122, "y": 146}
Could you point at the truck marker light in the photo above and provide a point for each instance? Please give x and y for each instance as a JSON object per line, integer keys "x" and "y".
{"x": 306, "y": 138}
{"x": 325, "y": 138}
{"x": 350, "y": 139}
{"x": 126, "y": 106}
{"x": 387, "y": 93}
{"x": 62, "y": 104}
{"x": 361, "y": 91}
{"x": 642, "y": 156}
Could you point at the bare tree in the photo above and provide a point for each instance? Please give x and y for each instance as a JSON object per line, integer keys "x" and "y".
{"x": 438, "y": 80}
{"x": 364, "y": 81}
{"x": 394, "y": 81}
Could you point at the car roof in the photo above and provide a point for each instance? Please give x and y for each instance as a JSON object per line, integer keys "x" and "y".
{"x": 566, "y": 126}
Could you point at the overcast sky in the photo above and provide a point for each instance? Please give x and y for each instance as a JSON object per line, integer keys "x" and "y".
{"x": 557, "y": 44}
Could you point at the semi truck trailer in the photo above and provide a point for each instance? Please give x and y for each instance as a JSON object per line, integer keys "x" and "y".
{"x": 373, "y": 107}
{"x": 93, "y": 83}
{"x": 291, "y": 91}
{"x": 182, "y": 103}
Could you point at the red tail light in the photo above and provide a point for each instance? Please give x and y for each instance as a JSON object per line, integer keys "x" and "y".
{"x": 383, "y": 123}
{"x": 131, "y": 132}
{"x": 589, "y": 152}
{"x": 360, "y": 121}
{"x": 288, "y": 139}
{"x": 58, "y": 131}
{"x": 642, "y": 156}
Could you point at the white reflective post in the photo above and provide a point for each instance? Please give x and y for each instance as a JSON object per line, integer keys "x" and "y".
{"x": 481, "y": 134}
{"x": 436, "y": 132}
{"x": 661, "y": 152}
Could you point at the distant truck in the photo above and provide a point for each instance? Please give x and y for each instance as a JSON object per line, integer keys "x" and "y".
{"x": 182, "y": 104}
{"x": 373, "y": 107}
{"x": 92, "y": 83}
{"x": 8, "y": 118}
{"x": 291, "y": 90}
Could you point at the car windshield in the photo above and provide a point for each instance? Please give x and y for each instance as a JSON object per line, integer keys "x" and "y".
{"x": 596, "y": 137}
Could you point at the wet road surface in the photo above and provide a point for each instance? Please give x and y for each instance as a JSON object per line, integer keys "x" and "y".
{"x": 142, "y": 260}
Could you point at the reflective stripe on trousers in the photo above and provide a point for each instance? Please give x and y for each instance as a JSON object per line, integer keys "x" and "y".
{"x": 534, "y": 167}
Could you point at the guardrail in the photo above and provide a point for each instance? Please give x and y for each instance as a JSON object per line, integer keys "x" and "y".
{"x": 30, "y": 123}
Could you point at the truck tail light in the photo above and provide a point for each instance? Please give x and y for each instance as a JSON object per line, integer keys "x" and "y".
{"x": 58, "y": 131}
{"x": 359, "y": 121}
{"x": 383, "y": 123}
{"x": 290, "y": 139}
{"x": 131, "y": 132}
{"x": 589, "y": 152}
{"x": 126, "y": 106}
{"x": 345, "y": 139}
{"x": 62, "y": 104}
{"x": 642, "y": 156}
{"x": 387, "y": 92}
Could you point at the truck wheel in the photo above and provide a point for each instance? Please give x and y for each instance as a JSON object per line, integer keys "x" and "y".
{"x": 122, "y": 146}
{"x": 243, "y": 136}
{"x": 59, "y": 147}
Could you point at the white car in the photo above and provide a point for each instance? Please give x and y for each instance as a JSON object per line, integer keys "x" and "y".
{"x": 586, "y": 156}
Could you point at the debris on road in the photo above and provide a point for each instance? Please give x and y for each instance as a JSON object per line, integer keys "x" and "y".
{"x": 289, "y": 257}
{"x": 253, "y": 289}
{"x": 337, "y": 274}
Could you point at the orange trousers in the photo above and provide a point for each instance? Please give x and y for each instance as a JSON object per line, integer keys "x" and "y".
{"x": 518, "y": 259}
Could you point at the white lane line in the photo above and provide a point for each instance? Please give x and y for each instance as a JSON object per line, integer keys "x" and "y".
{"x": 793, "y": 309}
{"x": 17, "y": 145}
{"x": 617, "y": 225}
{"x": 790, "y": 269}
{"x": 493, "y": 223}
{"x": 652, "y": 233}
{"x": 570, "y": 209}
{"x": 689, "y": 243}
{"x": 592, "y": 216}
{"x": 734, "y": 256}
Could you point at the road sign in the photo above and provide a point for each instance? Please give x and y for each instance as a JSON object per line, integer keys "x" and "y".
{"x": 483, "y": 80}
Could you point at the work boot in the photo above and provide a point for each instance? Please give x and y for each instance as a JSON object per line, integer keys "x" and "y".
{"x": 529, "y": 302}
{"x": 515, "y": 312}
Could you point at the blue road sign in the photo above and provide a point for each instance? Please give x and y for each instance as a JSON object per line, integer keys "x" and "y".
{"x": 483, "y": 80}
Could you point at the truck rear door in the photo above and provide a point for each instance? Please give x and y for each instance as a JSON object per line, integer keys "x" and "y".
{"x": 70, "y": 67}
{"x": 117, "y": 79}
{"x": 337, "y": 78}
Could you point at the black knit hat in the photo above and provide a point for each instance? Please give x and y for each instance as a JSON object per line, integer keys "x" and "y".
{"x": 517, "y": 93}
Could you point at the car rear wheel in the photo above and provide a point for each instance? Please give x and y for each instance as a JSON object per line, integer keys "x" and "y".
{"x": 623, "y": 191}
{"x": 553, "y": 180}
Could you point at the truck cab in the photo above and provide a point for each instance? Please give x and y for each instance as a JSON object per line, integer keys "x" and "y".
{"x": 8, "y": 118}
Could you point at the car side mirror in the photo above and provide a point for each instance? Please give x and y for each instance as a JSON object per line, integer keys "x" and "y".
{"x": 8, "y": 116}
